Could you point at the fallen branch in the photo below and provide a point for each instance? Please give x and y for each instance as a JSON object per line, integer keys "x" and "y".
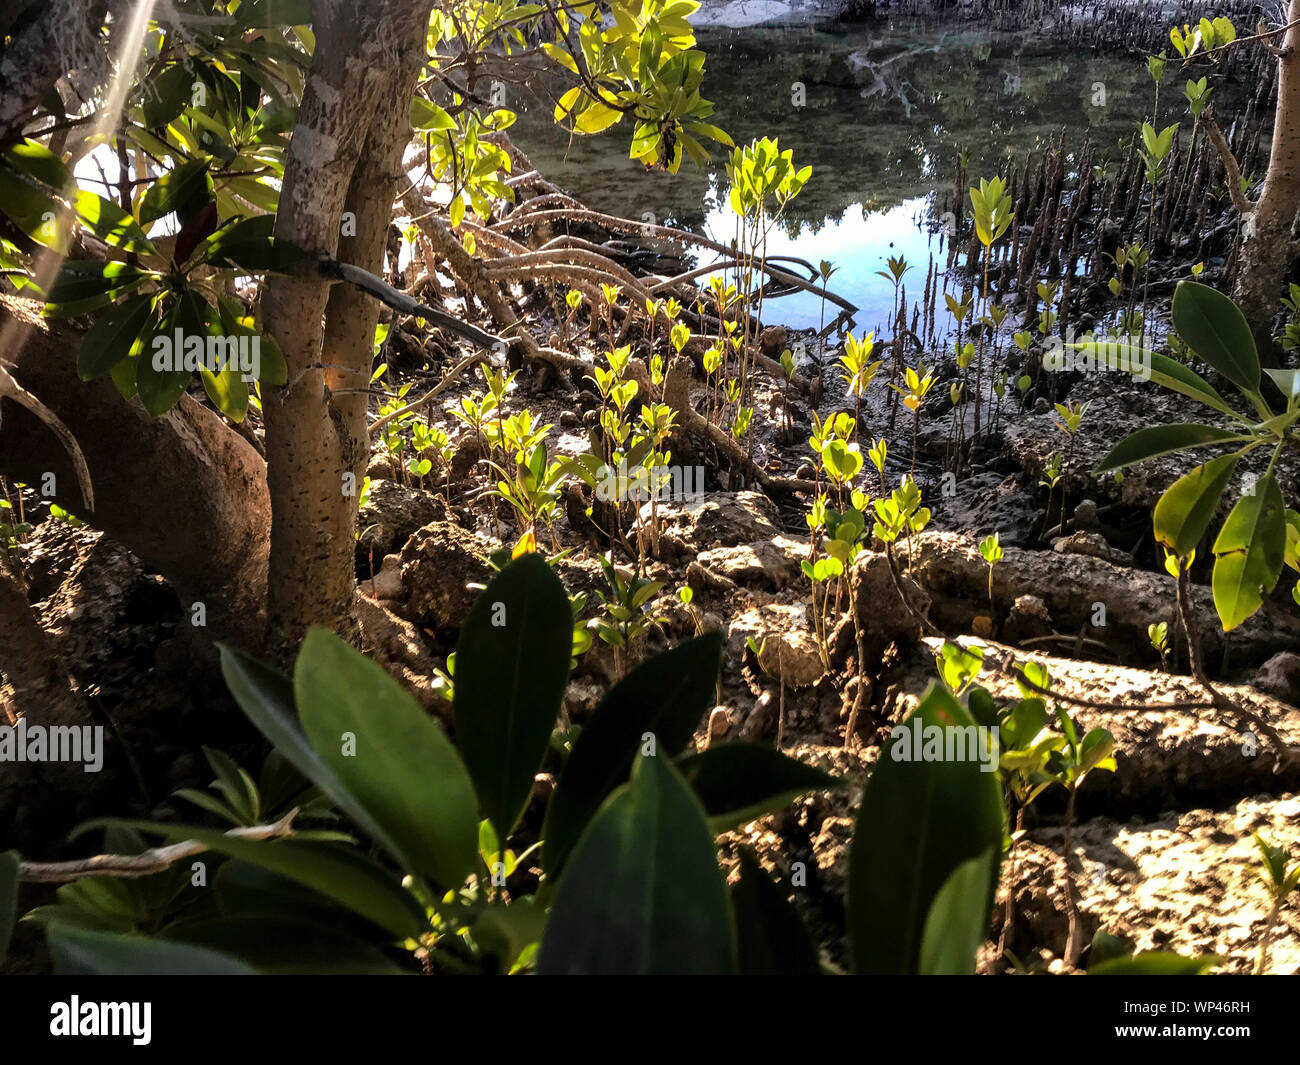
{"x": 146, "y": 863}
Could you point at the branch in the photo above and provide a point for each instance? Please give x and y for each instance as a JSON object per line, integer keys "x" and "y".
{"x": 146, "y": 863}
{"x": 1220, "y": 142}
{"x": 399, "y": 301}
{"x": 11, "y": 388}
{"x": 429, "y": 396}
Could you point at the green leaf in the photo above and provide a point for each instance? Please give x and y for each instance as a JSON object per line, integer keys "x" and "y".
{"x": 83, "y": 952}
{"x": 177, "y": 190}
{"x": 666, "y": 696}
{"x": 1214, "y": 327}
{"x": 958, "y": 918}
{"x": 770, "y": 935}
{"x": 285, "y": 944}
{"x": 1161, "y": 369}
{"x": 9, "y": 863}
{"x": 506, "y": 932}
{"x": 642, "y": 893}
{"x": 512, "y": 666}
{"x": 1287, "y": 381}
{"x": 1248, "y": 553}
{"x": 739, "y": 782}
{"x": 266, "y": 697}
{"x": 1156, "y": 963}
{"x": 390, "y": 754}
{"x": 114, "y": 336}
{"x": 917, "y": 823}
{"x": 112, "y": 224}
{"x": 1159, "y": 440}
{"x": 1186, "y": 509}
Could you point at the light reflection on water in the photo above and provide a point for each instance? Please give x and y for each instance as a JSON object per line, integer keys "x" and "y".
{"x": 888, "y": 108}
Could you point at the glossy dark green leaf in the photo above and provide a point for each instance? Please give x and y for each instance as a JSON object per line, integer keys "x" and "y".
{"x": 1156, "y": 963}
{"x": 9, "y": 863}
{"x": 249, "y": 244}
{"x": 177, "y": 190}
{"x": 160, "y": 387}
{"x": 1248, "y": 553}
{"x": 512, "y": 665}
{"x": 82, "y": 952}
{"x": 959, "y": 918}
{"x": 266, "y": 697}
{"x": 392, "y": 756}
{"x": 665, "y": 696}
{"x": 738, "y": 782}
{"x": 286, "y": 945}
{"x": 770, "y": 935}
{"x": 113, "y": 336}
{"x": 642, "y": 892}
{"x": 1185, "y": 511}
{"x": 82, "y": 279}
{"x": 918, "y": 822}
{"x": 337, "y": 871}
{"x": 167, "y": 94}
{"x": 1216, "y": 330}
{"x": 1162, "y": 440}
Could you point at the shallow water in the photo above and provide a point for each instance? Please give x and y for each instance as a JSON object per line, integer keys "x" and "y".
{"x": 888, "y": 107}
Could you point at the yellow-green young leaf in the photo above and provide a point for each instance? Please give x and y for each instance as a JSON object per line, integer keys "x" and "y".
{"x": 429, "y": 117}
{"x": 1291, "y": 557}
{"x": 456, "y": 211}
{"x": 597, "y": 118}
{"x": 33, "y": 210}
{"x": 112, "y": 224}
{"x": 1248, "y": 553}
{"x": 566, "y": 103}
{"x": 1186, "y": 509}
{"x": 560, "y": 56}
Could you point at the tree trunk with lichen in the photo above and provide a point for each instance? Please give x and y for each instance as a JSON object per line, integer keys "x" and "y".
{"x": 344, "y": 156}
